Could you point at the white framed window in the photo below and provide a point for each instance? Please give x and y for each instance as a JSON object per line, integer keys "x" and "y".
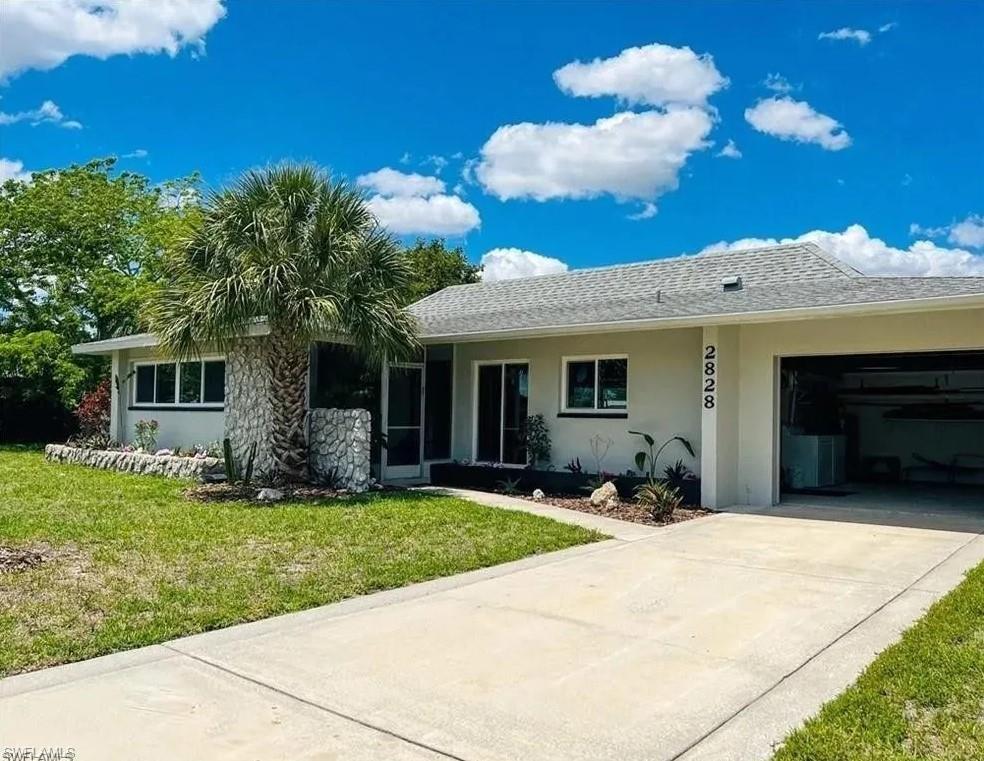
{"x": 197, "y": 383}
{"x": 595, "y": 384}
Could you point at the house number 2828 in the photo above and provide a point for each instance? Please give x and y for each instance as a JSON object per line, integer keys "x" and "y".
{"x": 710, "y": 377}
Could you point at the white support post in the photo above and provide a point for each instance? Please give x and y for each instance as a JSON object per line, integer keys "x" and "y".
{"x": 117, "y": 387}
{"x": 709, "y": 353}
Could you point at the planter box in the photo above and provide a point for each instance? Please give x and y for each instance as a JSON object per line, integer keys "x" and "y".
{"x": 136, "y": 462}
{"x": 488, "y": 477}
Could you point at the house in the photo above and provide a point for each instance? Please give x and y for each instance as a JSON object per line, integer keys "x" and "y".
{"x": 788, "y": 370}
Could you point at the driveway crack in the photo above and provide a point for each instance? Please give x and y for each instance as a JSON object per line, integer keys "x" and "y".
{"x": 316, "y": 705}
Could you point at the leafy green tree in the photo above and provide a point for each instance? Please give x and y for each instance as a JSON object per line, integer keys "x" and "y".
{"x": 434, "y": 266}
{"x": 302, "y": 252}
{"x": 80, "y": 248}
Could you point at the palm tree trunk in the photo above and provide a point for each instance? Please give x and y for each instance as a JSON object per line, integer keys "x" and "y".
{"x": 288, "y": 396}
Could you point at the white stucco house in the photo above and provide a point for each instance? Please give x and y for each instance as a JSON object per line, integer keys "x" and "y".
{"x": 791, "y": 373}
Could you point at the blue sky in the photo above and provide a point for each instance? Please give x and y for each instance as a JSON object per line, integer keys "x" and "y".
{"x": 871, "y": 135}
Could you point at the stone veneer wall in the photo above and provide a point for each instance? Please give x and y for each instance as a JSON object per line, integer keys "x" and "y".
{"x": 339, "y": 440}
{"x": 134, "y": 462}
{"x": 248, "y": 417}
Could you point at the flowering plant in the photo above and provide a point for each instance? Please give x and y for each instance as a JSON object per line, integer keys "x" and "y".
{"x": 92, "y": 411}
{"x": 146, "y": 434}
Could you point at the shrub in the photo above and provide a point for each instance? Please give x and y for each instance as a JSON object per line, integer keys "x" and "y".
{"x": 145, "y": 435}
{"x": 92, "y": 412}
{"x": 659, "y": 499}
{"x": 537, "y": 439}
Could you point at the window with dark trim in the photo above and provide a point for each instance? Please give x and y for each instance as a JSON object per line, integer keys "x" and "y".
{"x": 596, "y": 384}
{"x": 180, "y": 384}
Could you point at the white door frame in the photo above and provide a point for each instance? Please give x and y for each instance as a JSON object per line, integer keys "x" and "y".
{"x": 402, "y": 471}
{"x": 502, "y": 401}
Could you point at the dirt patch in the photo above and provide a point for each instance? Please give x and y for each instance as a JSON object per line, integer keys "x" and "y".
{"x": 24, "y": 558}
{"x": 625, "y": 511}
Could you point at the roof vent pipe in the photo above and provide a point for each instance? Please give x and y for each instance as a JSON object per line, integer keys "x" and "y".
{"x": 732, "y": 283}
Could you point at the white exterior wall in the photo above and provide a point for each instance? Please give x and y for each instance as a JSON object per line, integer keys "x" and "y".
{"x": 760, "y": 347}
{"x": 179, "y": 427}
{"x": 663, "y": 384}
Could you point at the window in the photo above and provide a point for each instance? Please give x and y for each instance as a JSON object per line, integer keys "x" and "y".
{"x": 180, "y": 384}
{"x": 596, "y": 384}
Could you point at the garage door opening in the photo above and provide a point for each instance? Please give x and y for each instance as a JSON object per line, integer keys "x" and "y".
{"x": 899, "y": 431}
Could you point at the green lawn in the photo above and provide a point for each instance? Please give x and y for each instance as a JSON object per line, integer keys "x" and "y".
{"x": 136, "y": 563}
{"x": 923, "y": 698}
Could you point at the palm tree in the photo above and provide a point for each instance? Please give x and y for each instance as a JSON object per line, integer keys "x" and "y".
{"x": 292, "y": 247}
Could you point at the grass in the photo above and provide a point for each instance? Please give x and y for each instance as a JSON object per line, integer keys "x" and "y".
{"x": 135, "y": 563}
{"x": 922, "y": 698}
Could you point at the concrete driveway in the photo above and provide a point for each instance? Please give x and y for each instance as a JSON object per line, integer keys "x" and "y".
{"x": 707, "y": 640}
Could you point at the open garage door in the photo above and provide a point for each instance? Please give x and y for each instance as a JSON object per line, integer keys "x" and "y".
{"x": 899, "y": 431}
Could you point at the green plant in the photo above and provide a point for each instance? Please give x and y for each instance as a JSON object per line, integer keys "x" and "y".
{"x": 232, "y": 474}
{"x": 574, "y": 466}
{"x": 677, "y": 475}
{"x": 248, "y": 473}
{"x": 509, "y": 486}
{"x": 303, "y": 253}
{"x": 145, "y": 435}
{"x": 537, "y": 439}
{"x": 658, "y": 498}
{"x": 646, "y": 460}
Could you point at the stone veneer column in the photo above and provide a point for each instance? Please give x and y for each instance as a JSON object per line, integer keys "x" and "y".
{"x": 247, "y": 404}
{"x": 339, "y": 441}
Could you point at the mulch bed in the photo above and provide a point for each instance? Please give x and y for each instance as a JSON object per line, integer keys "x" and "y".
{"x": 624, "y": 511}
{"x": 225, "y": 492}
{"x": 23, "y": 558}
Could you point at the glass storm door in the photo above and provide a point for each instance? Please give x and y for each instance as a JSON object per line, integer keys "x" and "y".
{"x": 404, "y": 397}
{"x": 502, "y": 404}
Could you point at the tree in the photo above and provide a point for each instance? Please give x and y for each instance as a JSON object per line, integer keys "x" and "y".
{"x": 80, "y": 248}
{"x": 303, "y": 252}
{"x": 434, "y": 266}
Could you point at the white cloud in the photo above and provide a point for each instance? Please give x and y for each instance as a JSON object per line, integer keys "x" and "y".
{"x": 860, "y": 36}
{"x": 509, "y": 263}
{"x": 42, "y": 35}
{"x": 628, "y": 155}
{"x": 10, "y": 169}
{"x": 139, "y": 153}
{"x": 433, "y": 215}
{"x": 391, "y": 182}
{"x": 778, "y": 83}
{"x": 888, "y": 27}
{"x": 730, "y": 151}
{"x": 648, "y": 211}
{"x": 790, "y": 119}
{"x": 438, "y": 162}
{"x": 875, "y": 257}
{"x": 969, "y": 232}
{"x": 47, "y": 113}
{"x": 653, "y": 74}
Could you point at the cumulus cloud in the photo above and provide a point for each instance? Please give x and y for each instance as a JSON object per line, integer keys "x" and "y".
{"x": 874, "y": 256}
{"x": 730, "y": 151}
{"x": 796, "y": 120}
{"x": 140, "y": 153}
{"x": 42, "y": 35}
{"x": 10, "y": 169}
{"x": 391, "y": 182}
{"x": 778, "y": 83}
{"x": 628, "y": 155}
{"x": 860, "y": 36}
{"x": 47, "y": 113}
{"x": 509, "y": 263}
{"x": 969, "y": 232}
{"x": 648, "y": 211}
{"x": 654, "y": 75}
{"x": 433, "y": 215}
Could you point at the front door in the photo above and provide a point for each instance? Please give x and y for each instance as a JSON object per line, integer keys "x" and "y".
{"x": 404, "y": 442}
{"x": 502, "y": 404}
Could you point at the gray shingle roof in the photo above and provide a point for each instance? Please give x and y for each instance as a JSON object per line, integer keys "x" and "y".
{"x": 774, "y": 278}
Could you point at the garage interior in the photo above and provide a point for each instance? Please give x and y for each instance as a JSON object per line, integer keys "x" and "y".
{"x": 896, "y": 431}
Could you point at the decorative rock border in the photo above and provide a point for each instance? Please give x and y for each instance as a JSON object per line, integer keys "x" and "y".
{"x": 134, "y": 462}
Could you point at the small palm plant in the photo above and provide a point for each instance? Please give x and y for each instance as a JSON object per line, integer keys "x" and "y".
{"x": 302, "y": 252}
{"x": 659, "y": 498}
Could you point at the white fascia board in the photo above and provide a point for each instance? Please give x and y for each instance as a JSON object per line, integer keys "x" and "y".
{"x": 144, "y": 341}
